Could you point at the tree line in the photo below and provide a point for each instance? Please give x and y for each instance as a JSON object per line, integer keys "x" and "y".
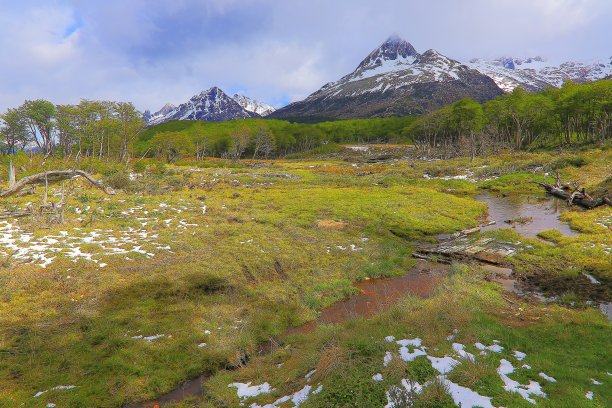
{"x": 115, "y": 130}
{"x": 99, "y": 129}
{"x": 262, "y": 138}
{"x": 557, "y": 116}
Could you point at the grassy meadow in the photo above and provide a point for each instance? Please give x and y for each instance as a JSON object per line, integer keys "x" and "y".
{"x": 191, "y": 266}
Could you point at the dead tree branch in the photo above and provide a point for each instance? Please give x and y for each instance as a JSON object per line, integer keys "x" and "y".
{"x": 54, "y": 176}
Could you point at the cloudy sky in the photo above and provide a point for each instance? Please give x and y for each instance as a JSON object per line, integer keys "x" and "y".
{"x": 156, "y": 51}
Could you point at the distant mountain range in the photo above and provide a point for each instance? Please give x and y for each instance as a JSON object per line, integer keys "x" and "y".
{"x": 535, "y": 74}
{"x": 393, "y": 80}
{"x": 212, "y": 105}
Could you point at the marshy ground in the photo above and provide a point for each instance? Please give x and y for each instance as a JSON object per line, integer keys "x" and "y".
{"x": 190, "y": 269}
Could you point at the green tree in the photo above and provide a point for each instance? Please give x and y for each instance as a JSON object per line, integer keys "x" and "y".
{"x": 130, "y": 123}
{"x": 240, "y": 141}
{"x": 172, "y": 145}
{"x": 39, "y": 115}
{"x": 264, "y": 142}
{"x": 14, "y": 129}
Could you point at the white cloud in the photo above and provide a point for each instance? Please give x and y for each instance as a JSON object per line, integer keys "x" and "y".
{"x": 150, "y": 52}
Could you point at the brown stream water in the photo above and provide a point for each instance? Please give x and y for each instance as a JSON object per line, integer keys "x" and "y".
{"x": 540, "y": 213}
{"x": 375, "y": 295}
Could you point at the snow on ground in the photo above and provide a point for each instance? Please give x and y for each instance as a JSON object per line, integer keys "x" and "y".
{"x": 496, "y": 348}
{"x": 460, "y": 350}
{"x": 297, "y": 398}
{"x": 547, "y": 377}
{"x": 56, "y": 388}
{"x": 24, "y": 247}
{"x": 519, "y": 355}
{"x": 533, "y": 388}
{"x": 247, "y": 390}
{"x": 463, "y": 396}
{"x": 443, "y": 364}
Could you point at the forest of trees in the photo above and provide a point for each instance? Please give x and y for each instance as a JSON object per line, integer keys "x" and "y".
{"x": 571, "y": 114}
{"x": 100, "y": 129}
{"x": 568, "y": 115}
{"x": 263, "y": 138}
{"x": 115, "y": 130}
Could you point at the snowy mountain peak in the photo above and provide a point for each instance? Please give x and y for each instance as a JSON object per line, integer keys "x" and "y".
{"x": 393, "y": 49}
{"x": 252, "y": 105}
{"x": 165, "y": 109}
{"x": 212, "y": 105}
{"x": 394, "y": 79}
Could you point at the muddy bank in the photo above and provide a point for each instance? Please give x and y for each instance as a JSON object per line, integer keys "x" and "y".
{"x": 376, "y": 295}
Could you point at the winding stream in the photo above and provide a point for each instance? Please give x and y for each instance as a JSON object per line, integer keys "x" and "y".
{"x": 376, "y": 295}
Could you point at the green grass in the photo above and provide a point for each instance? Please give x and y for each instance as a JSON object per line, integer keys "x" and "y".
{"x": 272, "y": 250}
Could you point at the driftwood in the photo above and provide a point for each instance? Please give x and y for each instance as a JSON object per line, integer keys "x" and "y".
{"x": 576, "y": 196}
{"x": 53, "y": 176}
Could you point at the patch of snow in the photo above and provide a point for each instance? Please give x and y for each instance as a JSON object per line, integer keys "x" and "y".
{"x": 377, "y": 377}
{"x": 297, "y": 398}
{"x": 519, "y": 355}
{"x": 510, "y": 385}
{"x": 152, "y": 338}
{"x": 309, "y": 375}
{"x": 547, "y": 377}
{"x": 56, "y": 388}
{"x": 444, "y": 365}
{"x": 460, "y": 350}
{"x": 465, "y": 397}
{"x": 410, "y": 356}
{"x": 496, "y": 348}
{"x": 390, "y": 339}
{"x": 595, "y": 381}
{"x": 589, "y": 395}
{"x": 592, "y": 279}
{"x": 387, "y": 359}
{"x": 410, "y": 342}
{"x": 247, "y": 390}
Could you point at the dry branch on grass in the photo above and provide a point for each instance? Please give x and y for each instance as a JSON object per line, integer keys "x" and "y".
{"x": 54, "y": 176}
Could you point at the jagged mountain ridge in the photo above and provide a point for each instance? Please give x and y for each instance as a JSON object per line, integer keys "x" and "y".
{"x": 211, "y": 105}
{"x": 254, "y": 106}
{"x": 394, "y": 79}
{"x": 535, "y": 73}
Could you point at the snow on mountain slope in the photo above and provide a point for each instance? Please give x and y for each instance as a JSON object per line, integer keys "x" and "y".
{"x": 535, "y": 74}
{"x": 212, "y": 105}
{"x": 252, "y": 105}
{"x": 394, "y": 79}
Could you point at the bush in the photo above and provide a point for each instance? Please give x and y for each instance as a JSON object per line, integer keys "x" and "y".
{"x": 119, "y": 180}
{"x": 139, "y": 167}
{"x": 575, "y": 161}
{"x": 206, "y": 283}
{"x": 160, "y": 168}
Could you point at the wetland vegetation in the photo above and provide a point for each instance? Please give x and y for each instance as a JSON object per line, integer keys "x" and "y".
{"x": 284, "y": 271}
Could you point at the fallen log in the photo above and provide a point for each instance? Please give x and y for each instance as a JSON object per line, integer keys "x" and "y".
{"x": 54, "y": 176}
{"x": 578, "y": 197}
{"x": 14, "y": 214}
